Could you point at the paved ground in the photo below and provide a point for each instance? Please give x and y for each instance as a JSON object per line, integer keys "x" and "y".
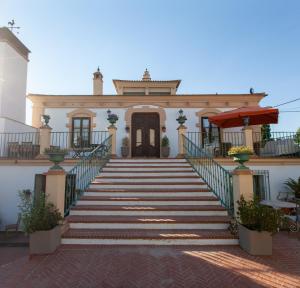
{"x": 132, "y": 267}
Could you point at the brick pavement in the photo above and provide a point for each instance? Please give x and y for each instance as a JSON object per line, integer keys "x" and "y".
{"x": 166, "y": 267}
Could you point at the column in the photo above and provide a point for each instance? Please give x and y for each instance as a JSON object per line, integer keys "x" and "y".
{"x": 181, "y": 133}
{"x": 112, "y": 130}
{"x": 55, "y": 188}
{"x": 242, "y": 180}
{"x": 45, "y": 138}
{"x": 248, "y": 134}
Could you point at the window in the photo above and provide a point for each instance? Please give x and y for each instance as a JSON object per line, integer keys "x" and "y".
{"x": 210, "y": 132}
{"x": 81, "y": 130}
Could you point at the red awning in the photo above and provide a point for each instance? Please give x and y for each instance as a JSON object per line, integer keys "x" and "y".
{"x": 236, "y": 117}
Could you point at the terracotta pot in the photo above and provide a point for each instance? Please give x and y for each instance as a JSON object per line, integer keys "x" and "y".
{"x": 165, "y": 151}
{"x": 255, "y": 242}
{"x": 45, "y": 242}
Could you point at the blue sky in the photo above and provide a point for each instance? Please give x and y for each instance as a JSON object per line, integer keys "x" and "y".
{"x": 224, "y": 46}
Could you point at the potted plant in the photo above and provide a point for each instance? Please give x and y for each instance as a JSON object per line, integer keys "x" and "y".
{"x": 41, "y": 220}
{"x": 293, "y": 186}
{"x": 112, "y": 118}
{"x": 125, "y": 147}
{"x": 56, "y": 155}
{"x": 256, "y": 225}
{"x": 165, "y": 147}
{"x": 181, "y": 117}
{"x": 241, "y": 155}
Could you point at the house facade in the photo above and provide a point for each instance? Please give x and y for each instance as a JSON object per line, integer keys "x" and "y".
{"x": 147, "y": 110}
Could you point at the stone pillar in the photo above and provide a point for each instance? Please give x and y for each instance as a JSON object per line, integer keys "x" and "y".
{"x": 181, "y": 132}
{"x": 55, "y": 188}
{"x": 112, "y": 130}
{"x": 45, "y": 138}
{"x": 248, "y": 134}
{"x": 242, "y": 180}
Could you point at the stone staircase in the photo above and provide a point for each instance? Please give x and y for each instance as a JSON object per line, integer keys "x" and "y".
{"x": 148, "y": 202}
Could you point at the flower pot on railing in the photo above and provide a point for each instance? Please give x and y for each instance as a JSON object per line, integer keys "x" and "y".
{"x": 112, "y": 118}
{"x": 240, "y": 155}
{"x": 56, "y": 156}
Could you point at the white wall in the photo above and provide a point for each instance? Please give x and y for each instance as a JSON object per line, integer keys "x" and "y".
{"x": 13, "y": 126}
{"x": 14, "y": 178}
{"x": 13, "y": 78}
{"x": 278, "y": 175}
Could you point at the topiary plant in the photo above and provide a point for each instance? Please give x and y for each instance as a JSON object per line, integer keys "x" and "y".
{"x": 165, "y": 141}
{"x": 255, "y": 216}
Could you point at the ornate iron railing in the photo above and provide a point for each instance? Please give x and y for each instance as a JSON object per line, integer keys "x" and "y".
{"x": 215, "y": 176}
{"x": 81, "y": 175}
{"x": 77, "y": 144}
{"x": 277, "y": 144}
{"x": 24, "y": 145}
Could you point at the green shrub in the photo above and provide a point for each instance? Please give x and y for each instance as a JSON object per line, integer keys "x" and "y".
{"x": 255, "y": 216}
{"x": 38, "y": 214}
{"x": 165, "y": 141}
{"x": 293, "y": 186}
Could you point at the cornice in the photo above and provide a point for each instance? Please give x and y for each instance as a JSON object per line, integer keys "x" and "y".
{"x": 178, "y": 100}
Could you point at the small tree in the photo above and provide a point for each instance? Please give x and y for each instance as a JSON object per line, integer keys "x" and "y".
{"x": 297, "y": 137}
{"x": 265, "y": 133}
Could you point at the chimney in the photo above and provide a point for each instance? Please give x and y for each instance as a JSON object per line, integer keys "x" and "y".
{"x": 98, "y": 83}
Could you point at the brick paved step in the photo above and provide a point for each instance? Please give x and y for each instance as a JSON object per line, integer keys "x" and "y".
{"x": 137, "y": 174}
{"x": 171, "y": 210}
{"x": 131, "y": 176}
{"x": 147, "y": 169}
{"x": 148, "y": 222}
{"x": 150, "y": 194}
{"x": 142, "y": 201}
{"x": 148, "y": 185}
{"x": 148, "y": 190}
{"x": 150, "y": 180}
{"x": 150, "y": 165}
{"x": 143, "y": 160}
{"x": 149, "y": 237}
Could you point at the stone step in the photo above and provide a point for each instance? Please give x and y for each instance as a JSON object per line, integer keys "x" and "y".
{"x": 148, "y": 237}
{"x": 179, "y": 210}
{"x": 148, "y": 222}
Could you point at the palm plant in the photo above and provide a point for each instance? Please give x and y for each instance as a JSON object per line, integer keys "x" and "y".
{"x": 293, "y": 186}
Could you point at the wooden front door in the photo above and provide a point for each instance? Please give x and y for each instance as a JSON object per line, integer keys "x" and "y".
{"x": 145, "y": 136}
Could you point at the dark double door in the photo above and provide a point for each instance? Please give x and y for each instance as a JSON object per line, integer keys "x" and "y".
{"x": 145, "y": 136}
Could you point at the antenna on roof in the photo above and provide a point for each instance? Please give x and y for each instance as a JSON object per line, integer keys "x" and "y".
{"x": 11, "y": 26}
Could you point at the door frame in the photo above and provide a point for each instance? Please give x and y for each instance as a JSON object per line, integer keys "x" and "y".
{"x": 146, "y": 109}
{"x": 158, "y": 132}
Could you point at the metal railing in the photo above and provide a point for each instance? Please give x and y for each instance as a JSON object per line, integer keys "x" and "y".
{"x": 217, "y": 144}
{"x": 23, "y": 145}
{"x": 215, "y": 176}
{"x": 278, "y": 144}
{"x": 81, "y": 175}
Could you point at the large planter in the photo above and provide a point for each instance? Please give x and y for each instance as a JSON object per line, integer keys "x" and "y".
{"x": 165, "y": 151}
{"x": 241, "y": 158}
{"x": 125, "y": 151}
{"x": 254, "y": 242}
{"x": 45, "y": 242}
{"x": 56, "y": 158}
